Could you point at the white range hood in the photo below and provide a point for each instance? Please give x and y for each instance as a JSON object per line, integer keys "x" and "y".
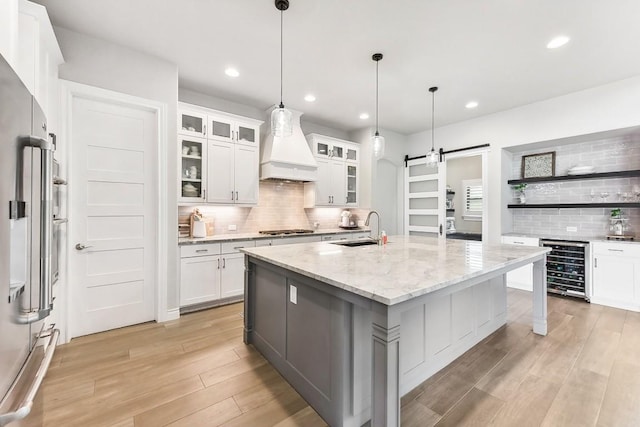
{"x": 287, "y": 158}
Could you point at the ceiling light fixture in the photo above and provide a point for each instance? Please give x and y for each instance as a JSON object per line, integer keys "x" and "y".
{"x": 310, "y": 98}
{"x": 471, "y": 104}
{"x": 232, "y": 72}
{"x": 432, "y": 156}
{"x": 364, "y": 116}
{"x": 377, "y": 142}
{"x": 558, "y": 42}
{"x": 281, "y": 123}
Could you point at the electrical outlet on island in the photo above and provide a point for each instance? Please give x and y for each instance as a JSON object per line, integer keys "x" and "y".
{"x": 572, "y": 229}
{"x": 232, "y": 227}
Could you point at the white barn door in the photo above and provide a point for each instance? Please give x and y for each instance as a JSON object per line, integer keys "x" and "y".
{"x": 425, "y": 189}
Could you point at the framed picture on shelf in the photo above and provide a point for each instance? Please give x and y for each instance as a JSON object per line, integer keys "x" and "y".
{"x": 539, "y": 165}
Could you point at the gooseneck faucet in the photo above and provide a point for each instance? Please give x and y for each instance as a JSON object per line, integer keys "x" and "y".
{"x": 366, "y": 223}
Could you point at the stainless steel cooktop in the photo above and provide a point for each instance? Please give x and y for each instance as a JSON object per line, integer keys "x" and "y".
{"x": 279, "y": 232}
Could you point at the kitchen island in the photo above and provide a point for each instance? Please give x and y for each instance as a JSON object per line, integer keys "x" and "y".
{"x": 355, "y": 328}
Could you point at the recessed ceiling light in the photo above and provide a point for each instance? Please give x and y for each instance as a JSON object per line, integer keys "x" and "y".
{"x": 309, "y": 98}
{"x": 364, "y": 116}
{"x": 471, "y": 104}
{"x": 232, "y": 72}
{"x": 557, "y": 42}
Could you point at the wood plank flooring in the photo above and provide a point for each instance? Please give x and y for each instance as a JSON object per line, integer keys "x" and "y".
{"x": 197, "y": 372}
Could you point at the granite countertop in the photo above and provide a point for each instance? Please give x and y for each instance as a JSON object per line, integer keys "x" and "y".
{"x": 257, "y": 236}
{"x": 570, "y": 238}
{"x": 404, "y": 268}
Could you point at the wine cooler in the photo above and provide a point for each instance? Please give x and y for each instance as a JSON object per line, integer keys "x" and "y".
{"x": 567, "y": 268}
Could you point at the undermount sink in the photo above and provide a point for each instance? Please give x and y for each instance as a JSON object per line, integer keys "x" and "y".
{"x": 356, "y": 243}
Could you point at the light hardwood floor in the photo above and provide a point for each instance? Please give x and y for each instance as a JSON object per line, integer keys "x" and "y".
{"x": 197, "y": 372}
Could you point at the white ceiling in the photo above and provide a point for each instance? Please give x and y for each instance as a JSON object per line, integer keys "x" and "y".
{"x": 492, "y": 51}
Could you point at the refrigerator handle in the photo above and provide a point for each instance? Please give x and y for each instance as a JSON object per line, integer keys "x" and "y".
{"x": 28, "y": 379}
{"x": 45, "y": 303}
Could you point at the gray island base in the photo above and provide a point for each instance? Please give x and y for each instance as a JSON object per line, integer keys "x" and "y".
{"x": 353, "y": 329}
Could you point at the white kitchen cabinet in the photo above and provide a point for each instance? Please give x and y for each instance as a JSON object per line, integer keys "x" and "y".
{"x": 616, "y": 275}
{"x": 211, "y": 272}
{"x": 193, "y": 170}
{"x": 229, "y": 160}
{"x": 521, "y": 278}
{"x": 231, "y": 128}
{"x": 192, "y": 123}
{"x": 338, "y": 179}
{"x": 36, "y": 55}
{"x": 232, "y": 173}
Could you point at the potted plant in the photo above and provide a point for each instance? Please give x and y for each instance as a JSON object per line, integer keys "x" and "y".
{"x": 520, "y": 189}
{"x": 616, "y": 213}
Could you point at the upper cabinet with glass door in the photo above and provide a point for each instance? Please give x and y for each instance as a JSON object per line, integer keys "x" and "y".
{"x": 192, "y": 123}
{"x": 228, "y": 128}
{"x": 325, "y": 146}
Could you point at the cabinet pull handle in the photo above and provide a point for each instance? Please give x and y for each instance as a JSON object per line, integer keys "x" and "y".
{"x": 204, "y": 194}
{"x": 236, "y": 196}
{"x": 205, "y": 130}
{"x": 218, "y": 263}
{"x": 238, "y": 247}
{"x": 615, "y": 250}
{"x": 329, "y": 199}
{"x": 595, "y": 263}
{"x": 232, "y": 195}
{"x": 518, "y": 243}
{"x": 224, "y": 263}
{"x": 201, "y": 250}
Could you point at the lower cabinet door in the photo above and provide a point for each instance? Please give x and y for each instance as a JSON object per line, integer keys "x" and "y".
{"x": 232, "y": 275}
{"x": 613, "y": 278}
{"x": 199, "y": 279}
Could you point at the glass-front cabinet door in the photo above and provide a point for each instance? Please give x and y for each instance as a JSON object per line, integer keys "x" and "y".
{"x": 192, "y": 174}
{"x": 193, "y": 123}
{"x": 337, "y": 151}
{"x": 351, "y": 153}
{"x": 247, "y": 134}
{"x": 352, "y": 185}
{"x": 221, "y": 128}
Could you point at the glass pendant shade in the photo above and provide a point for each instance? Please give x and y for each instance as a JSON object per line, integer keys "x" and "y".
{"x": 281, "y": 123}
{"x": 432, "y": 159}
{"x": 377, "y": 144}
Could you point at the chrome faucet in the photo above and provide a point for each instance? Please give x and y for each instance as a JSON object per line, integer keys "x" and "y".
{"x": 366, "y": 223}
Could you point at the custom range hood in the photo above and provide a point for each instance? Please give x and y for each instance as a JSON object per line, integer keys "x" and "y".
{"x": 287, "y": 158}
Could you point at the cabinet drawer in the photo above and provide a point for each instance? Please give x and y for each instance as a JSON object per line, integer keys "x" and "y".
{"x": 199, "y": 250}
{"x": 620, "y": 249}
{"x": 235, "y": 246}
{"x": 524, "y": 241}
{"x": 263, "y": 242}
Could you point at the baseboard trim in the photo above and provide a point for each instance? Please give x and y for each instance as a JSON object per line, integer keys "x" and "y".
{"x": 172, "y": 314}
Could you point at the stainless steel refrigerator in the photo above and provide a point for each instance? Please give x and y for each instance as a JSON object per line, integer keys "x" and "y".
{"x": 27, "y": 341}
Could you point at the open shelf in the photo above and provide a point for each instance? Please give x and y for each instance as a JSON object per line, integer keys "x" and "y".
{"x": 575, "y": 205}
{"x": 619, "y": 174}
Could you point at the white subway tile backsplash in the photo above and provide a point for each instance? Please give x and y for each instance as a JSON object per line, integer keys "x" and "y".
{"x": 608, "y": 155}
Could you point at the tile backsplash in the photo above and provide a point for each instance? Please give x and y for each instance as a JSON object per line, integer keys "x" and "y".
{"x": 606, "y": 155}
{"x": 280, "y": 206}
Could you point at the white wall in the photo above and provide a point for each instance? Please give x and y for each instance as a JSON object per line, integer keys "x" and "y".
{"x": 382, "y": 180}
{"x": 106, "y": 65}
{"x": 603, "y": 108}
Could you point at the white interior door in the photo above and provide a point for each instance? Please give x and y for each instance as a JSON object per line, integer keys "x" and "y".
{"x": 113, "y": 214}
{"x": 425, "y": 201}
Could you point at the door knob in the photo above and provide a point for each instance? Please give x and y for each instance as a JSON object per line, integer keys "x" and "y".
{"x": 80, "y": 247}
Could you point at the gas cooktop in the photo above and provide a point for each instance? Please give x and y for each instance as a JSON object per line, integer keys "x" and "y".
{"x": 292, "y": 231}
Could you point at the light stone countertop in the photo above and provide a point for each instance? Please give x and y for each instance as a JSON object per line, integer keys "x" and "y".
{"x": 570, "y": 238}
{"x": 256, "y": 236}
{"x": 406, "y": 267}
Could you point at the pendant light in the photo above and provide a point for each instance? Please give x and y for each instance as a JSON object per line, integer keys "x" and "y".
{"x": 432, "y": 156}
{"x": 377, "y": 142}
{"x": 281, "y": 123}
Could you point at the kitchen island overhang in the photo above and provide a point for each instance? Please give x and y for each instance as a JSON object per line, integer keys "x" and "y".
{"x": 354, "y": 329}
